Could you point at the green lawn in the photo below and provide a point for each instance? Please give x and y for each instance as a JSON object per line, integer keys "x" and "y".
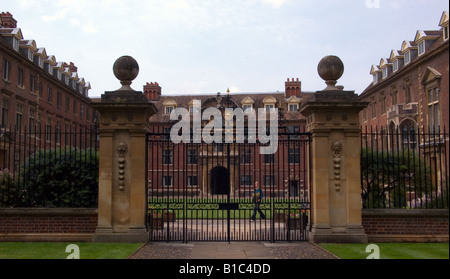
{"x": 51, "y": 250}
{"x": 391, "y": 250}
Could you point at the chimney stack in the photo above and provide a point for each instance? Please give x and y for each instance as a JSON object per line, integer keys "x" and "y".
{"x": 152, "y": 91}
{"x": 71, "y": 67}
{"x": 293, "y": 88}
{"x": 7, "y": 20}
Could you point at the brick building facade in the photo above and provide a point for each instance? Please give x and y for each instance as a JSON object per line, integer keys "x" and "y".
{"x": 38, "y": 94}
{"x": 203, "y": 168}
{"x": 410, "y": 89}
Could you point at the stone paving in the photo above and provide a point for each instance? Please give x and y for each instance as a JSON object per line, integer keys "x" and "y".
{"x": 233, "y": 250}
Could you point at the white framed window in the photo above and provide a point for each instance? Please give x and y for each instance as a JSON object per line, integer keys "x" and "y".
{"x": 407, "y": 57}
{"x": 293, "y": 107}
{"x": 421, "y": 47}
{"x": 59, "y": 74}
{"x": 395, "y": 66}
{"x": 50, "y": 69}
{"x": 168, "y": 109}
{"x": 167, "y": 181}
{"x": 375, "y": 78}
{"x": 16, "y": 44}
{"x": 433, "y": 108}
{"x": 41, "y": 62}
{"x": 445, "y": 30}
{"x": 269, "y": 107}
{"x": 66, "y": 80}
{"x": 385, "y": 72}
{"x": 248, "y": 107}
{"x": 30, "y": 54}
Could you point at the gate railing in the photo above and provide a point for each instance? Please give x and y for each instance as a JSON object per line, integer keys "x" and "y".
{"x": 41, "y": 167}
{"x": 203, "y": 192}
{"x": 404, "y": 168}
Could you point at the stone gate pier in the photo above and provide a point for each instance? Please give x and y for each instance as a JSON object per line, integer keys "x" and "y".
{"x": 333, "y": 119}
{"x": 124, "y": 115}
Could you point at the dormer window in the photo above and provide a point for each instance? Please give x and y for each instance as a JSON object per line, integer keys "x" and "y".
{"x": 407, "y": 57}
{"x": 293, "y": 103}
{"x": 395, "y": 66}
{"x": 421, "y": 47}
{"x": 168, "y": 109}
{"x": 385, "y": 72}
{"x": 41, "y": 62}
{"x": 30, "y": 54}
{"x": 293, "y": 107}
{"x": 50, "y": 69}
{"x": 59, "y": 74}
{"x": 169, "y": 106}
{"x": 444, "y": 24}
{"x": 247, "y": 107}
{"x": 269, "y": 107}
{"x": 375, "y": 78}
{"x": 269, "y": 104}
{"x": 16, "y": 44}
{"x": 66, "y": 80}
{"x": 247, "y": 104}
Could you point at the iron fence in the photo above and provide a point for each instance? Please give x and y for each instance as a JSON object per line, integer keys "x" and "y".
{"x": 404, "y": 168}
{"x": 204, "y": 192}
{"x": 49, "y": 168}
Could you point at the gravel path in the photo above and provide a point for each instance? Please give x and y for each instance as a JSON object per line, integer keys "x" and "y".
{"x": 236, "y": 250}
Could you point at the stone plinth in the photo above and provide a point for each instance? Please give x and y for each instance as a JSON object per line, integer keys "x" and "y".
{"x": 122, "y": 201}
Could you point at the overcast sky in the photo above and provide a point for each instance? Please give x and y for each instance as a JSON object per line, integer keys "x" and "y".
{"x": 207, "y": 46}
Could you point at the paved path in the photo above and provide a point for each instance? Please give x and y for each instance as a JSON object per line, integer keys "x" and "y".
{"x": 233, "y": 250}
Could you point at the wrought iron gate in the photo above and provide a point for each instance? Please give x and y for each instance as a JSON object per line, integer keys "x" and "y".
{"x": 203, "y": 192}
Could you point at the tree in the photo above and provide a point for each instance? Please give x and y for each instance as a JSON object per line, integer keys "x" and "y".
{"x": 391, "y": 178}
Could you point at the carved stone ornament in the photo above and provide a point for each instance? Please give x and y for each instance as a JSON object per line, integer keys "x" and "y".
{"x": 121, "y": 149}
{"x": 336, "y": 149}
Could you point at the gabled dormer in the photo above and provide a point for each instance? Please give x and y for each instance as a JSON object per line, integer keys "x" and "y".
{"x": 376, "y": 73}
{"x": 397, "y": 58}
{"x": 58, "y": 70}
{"x": 81, "y": 84}
{"x": 12, "y": 36}
{"x": 39, "y": 57}
{"x": 28, "y": 48}
{"x": 67, "y": 73}
{"x": 169, "y": 106}
{"x": 424, "y": 40}
{"x": 293, "y": 103}
{"x": 444, "y": 24}
{"x": 247, "y": 104}
{"x": 49, "y": 64}
{"x": 409, "y": 50}
{"x": 385, "y": 67}
{"x": 269, "y": 103}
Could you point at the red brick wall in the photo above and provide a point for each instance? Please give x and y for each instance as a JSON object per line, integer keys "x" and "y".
{"x": 425, "y": 222}
{"x": 32, "y": 220}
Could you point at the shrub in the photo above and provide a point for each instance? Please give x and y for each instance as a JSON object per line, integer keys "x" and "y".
{"x": 60, "y": 177}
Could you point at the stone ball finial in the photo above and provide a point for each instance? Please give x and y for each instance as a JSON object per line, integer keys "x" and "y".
{"x": 126, "y": 69}
{"x": 330, "y": 69}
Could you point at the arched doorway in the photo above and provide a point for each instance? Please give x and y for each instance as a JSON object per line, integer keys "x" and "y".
{"x": 220, "y": 181}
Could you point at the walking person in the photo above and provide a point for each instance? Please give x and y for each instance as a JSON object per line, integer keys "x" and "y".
{"x": 257, "y": 197}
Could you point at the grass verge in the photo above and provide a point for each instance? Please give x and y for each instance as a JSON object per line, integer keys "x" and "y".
{"x": 391, "y": 250}
{"x": 57, "y": 250}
